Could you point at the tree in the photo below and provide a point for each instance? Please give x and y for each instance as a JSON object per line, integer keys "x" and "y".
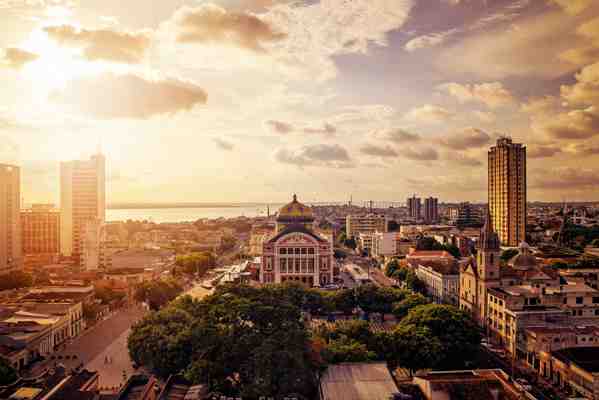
{"x": 351, "y": 243}
{"x": 393, "y": 226}
{"x": 227, "y": 244}
{"x": 196, "y": 263}
{"x": 157, "y": 293}
{"x": 372, "y": 298}
{"x": 413, "y": 347}
{"x": 453, "y": 250}
{"x": 414, "y": 283}
{"x": 242, "y": 341}
{"x": 429, "y": 243}
{"x": 508, "y": 254}
{"x": 347, "y": 349}
{"x": 107, "y": 295}
{"x": 7, "y": 373}
{"x": 457, "y": 333}
{"x": 401, "y": 308}
{"x": 391, "y": 267}
{"x": 16, "y": 280}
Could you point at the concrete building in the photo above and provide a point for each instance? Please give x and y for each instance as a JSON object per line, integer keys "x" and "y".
{"x": 465, "y": 215}
{"x": 93, "y": 245}
{"x": 442, "y": 282}
{"x": 431, "y": 210}
{"x": 370, "y": 223}
{"x": 507, "y": 191}
{"x": 414, "y": 205}
{"x": 296, "y": 252}
{"x": 577, "y": 369}
{"x": 10, "y": 226}
{"x": 40, "y": 231}
{"x": 82, "y": 199}
{"x": 357, "y": 381}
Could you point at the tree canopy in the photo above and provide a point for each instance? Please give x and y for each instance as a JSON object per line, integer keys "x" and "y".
{"x": 157, "y": 293}
{"x": 196, "y": 263}
{"x": 243, "y": 341}
{"x": 7, "y": 372}
{"x": 508, "y": 254}
{"x": 458, "y": 334}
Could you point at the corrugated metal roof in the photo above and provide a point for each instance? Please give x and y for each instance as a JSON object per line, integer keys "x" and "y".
{"x": 357, "y": 381}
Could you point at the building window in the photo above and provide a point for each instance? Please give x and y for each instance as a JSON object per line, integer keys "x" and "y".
{"x": 595, "y": 300}
{"x": 282, "y": 250}
{"x": 311, "y": 250}
{"x": 304, "y": 251}
{"x": 297, "y": 250}
{"x": 283, "y": 265}
{"x": 579, "y": 300}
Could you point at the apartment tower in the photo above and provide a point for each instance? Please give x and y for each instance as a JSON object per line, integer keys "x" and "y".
{"x": 414, "y": 205}
{"x": 40, "y": 232}
{"x": 10, "y": 226}
{"x": 431, "y": 210}
{"x": 82, "y": 199}
{"x": 507, "y": 191}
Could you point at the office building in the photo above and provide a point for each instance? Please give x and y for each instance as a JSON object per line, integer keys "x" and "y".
{"x": 82, "y": 199}
{"x": 465, "y": 215}
{"x": 40, "y": 231}
{"x": 431, "y": 210}
{"x": 507, "y": 191}
{"x": 10, "y": 226}
{"x": 365, "y": 224}
{"x": 414, "y": 205}
{"x": 93, "y": 245}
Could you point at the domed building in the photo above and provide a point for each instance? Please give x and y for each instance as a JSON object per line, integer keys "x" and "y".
{"x": 296, "y": 252}
{"x": 524, "y": 260}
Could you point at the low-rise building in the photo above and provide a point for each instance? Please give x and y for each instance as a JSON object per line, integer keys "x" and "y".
{"x": 357, "y": 381}
{"x": 442, "y": 281}
{"x": 369, "y": 223}
{"x": 576, "y": 368}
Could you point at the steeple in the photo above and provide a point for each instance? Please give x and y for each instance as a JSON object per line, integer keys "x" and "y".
{"x": 489, "y": 240}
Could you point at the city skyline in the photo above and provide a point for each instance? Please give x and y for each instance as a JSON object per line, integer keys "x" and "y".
{"x": 380, "y": 99}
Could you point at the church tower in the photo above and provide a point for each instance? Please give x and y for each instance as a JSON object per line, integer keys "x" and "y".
{"x": 488, "y": 252}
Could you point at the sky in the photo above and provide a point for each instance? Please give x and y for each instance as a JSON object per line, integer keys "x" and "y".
{"x": 252, "y": 100}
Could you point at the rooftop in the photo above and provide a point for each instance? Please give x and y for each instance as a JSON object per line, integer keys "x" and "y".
{"x": 357, "y": 381}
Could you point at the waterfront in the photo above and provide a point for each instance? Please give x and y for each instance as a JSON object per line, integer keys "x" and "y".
{"x": 161, "y": 215}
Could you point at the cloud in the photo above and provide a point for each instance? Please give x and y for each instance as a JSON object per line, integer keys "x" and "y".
{"x": 397, "y": 136}
{"x": 322, "y": 155}
{"x": 378, "y": 151}
{"x": 103, "y": 44}
{"x": 209, "y": 24}
{"x": 531, "y": 47}
{"x": 586, "y": 89}
{"x": 492, "y": 94}
{"x": 327, "y": 129}
{"x": 129, "y": 96}
{"x": 573, "y": 7}
{"x": 584, "y": 150}
{"x": 565, "y": 178}
{"x": 223, "y": 144}
{"x": 542, "y": 151}
{"x": 576, "y": 124}
{"x": 462, "y": 159}
{"x": 419, "y": 154}
{"x": 485, "y": 116}
{"x": 540, "y": 106}
{"x": 280, "y": 126}
{"x": 466, "y": 139}
{"x": 429, "y": 40}
{"x": 16, "y": 58}
{"x": 430, "y": 113}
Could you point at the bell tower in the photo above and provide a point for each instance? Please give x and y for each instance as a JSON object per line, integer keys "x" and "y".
{"x": 489, "y": 252}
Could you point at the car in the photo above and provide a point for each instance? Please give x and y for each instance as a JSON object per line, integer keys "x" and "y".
{"x": 522, "y": 384}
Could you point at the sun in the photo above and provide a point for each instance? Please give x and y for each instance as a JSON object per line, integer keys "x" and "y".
{"x": 55, "y": 66}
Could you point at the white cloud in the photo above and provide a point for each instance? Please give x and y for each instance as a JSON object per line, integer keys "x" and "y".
{"x": 429, "y": 113}
{"x": 429, "y": 40}
{"x": 492, "y": 94}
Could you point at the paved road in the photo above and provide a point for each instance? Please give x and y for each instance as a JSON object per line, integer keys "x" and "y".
{"x": 107, "y": 337}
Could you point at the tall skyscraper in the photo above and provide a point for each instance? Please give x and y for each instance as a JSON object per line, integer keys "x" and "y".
{"x": 507, "y": 191}
{"x": 82, "y": 199}
{"x": 431, "y": 209}
{"x": 10, "y": 225}
{"x": 414, "y": 207}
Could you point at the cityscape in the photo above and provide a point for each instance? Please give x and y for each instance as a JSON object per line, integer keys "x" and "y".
{"x": 307, "y": 200}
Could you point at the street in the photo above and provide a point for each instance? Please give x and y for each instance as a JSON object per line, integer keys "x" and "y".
{"x": 106, "y": 338}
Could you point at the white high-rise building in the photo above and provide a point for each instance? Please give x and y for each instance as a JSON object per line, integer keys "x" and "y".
{"x": 82, "y": 199}
{"x": 10, "y": 226}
